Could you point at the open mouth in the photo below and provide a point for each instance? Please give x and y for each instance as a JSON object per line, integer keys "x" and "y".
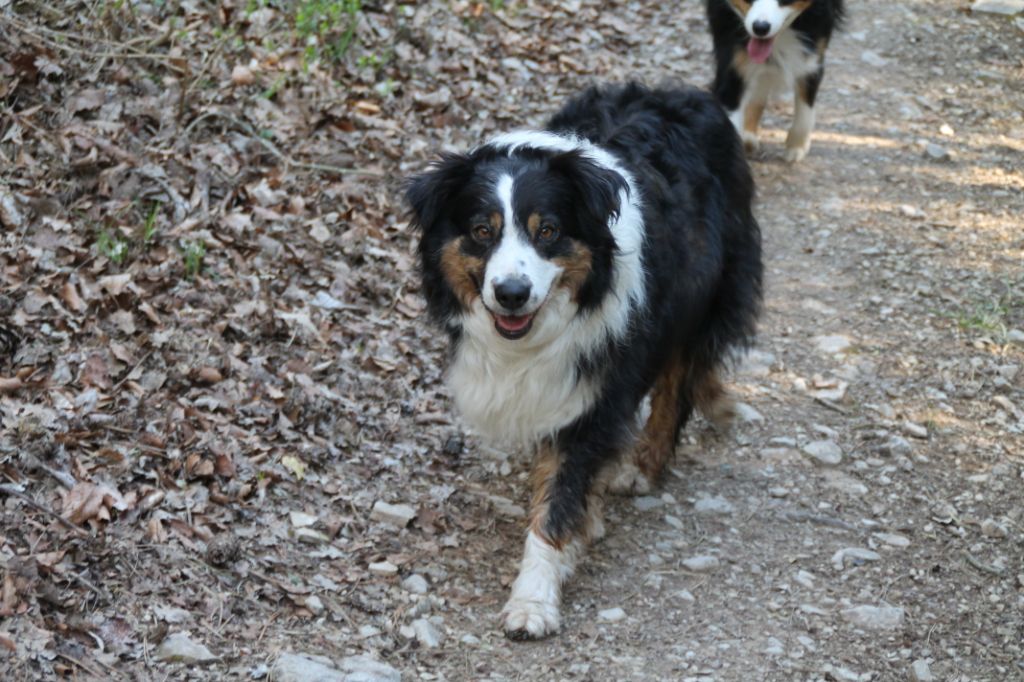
{"x": 513, "y": 326}
{"x": 759, "y": 49}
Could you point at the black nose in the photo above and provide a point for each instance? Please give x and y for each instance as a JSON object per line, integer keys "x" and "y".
{"x": 761, "y": 28}
{"x": 512, "y": 293}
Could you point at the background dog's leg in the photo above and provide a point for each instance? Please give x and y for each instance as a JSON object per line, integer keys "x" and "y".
{"x": 798, "y": 142}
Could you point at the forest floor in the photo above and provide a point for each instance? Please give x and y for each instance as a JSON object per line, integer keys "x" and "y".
{"x": 223, "y": 362}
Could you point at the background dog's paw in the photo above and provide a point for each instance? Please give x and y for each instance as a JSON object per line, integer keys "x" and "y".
{"x": 629, "y": 480}
{"x": 750, "y": 142}
{"x": 797, "y": 153}
{"x": 525, "y": 620}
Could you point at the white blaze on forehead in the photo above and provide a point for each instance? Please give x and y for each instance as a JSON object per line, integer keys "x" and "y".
{"x": 777, "y": 16}
{"x": 515, "y": 257}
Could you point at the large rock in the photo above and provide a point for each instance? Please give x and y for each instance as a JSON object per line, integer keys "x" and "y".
{"x": 1004, "y": 7}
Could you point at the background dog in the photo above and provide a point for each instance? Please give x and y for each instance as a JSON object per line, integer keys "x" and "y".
{"x": 576, "y": 270}
{"x": 767, "y": 47}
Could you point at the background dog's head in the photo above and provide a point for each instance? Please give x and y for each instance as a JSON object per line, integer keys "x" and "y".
{"x": 505, "y": 233}
{"x": 764, "y": 19}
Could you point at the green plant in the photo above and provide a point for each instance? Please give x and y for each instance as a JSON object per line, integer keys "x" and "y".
{"x": 318, "y": 23}
{"x": 193, "y": 252}
{"x": 112, "y": 246}
{"x": 149, "y": 227}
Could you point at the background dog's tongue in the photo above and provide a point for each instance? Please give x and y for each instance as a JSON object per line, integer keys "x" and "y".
{"x": 759, "y": 49}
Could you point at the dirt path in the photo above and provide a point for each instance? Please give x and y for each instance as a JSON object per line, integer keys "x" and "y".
{"x": 895, "y": 288}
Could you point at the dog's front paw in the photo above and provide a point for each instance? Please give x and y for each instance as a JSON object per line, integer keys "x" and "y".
{"x": 629, "y": 480}
{"x": 750, "y": 142}
{"x": 524, "y": 620}
{"x": 797, "y": 152}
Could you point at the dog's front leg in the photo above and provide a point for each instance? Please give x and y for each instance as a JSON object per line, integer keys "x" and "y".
{"x": 565, "y": 514}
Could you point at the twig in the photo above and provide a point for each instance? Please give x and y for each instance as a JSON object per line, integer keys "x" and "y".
{"x": 11, "y": 490}
{"x": 71, "y": 659}
{"x": 832, "y": 406}
{"x": 819, "y": 519}
{"x": 28, "y": 29}
{"x": 129, "y": 373}
{"x": 272, "y": 148}
{"x": 984, "y": 568}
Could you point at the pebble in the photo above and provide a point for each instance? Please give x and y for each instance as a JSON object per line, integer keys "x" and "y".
{"x": 920, "y": 672}
{"x": 873, "y": 59}
{"x": 853, "y": 555}
{"x": 874, "y": 617}
{"x": 1004, "y": 7}
{"x": 748, "y": 414}
{"x": 836, "y": 343}
{"x": 178, "y": 647}
{"x": 845, "y": 484}
{"x": 314, "y": 604}
{"x": 805, "y": 578}
{"x": 897, "y": 445}
{"x": 611, "y": 615}
{"x": 471, "y": 640}
{"x": 506, "y": 507}
{"x": 242, "y": 75}
{"x": 427, "y": 634}
{"x": 416, "y": 584}
{"x": 893, "y": 540}
{"x": 302, "y": 519}
{"x": 310, "y": 536}
{"x": 395, "y": 514}
{"x": 673, "y": 521}
{"x": 915, "y": 430}
{"x": 713, "y": 505}
{"x": 824, "y": 452}
{"x": 778, "y": 492}
{"x": 1016, "y": 336}
{"x": 685, "y": 595}
{"x": 774, "y": 647}
{"x": 647, "y": 503}
{"x": 937, "y": 152}
{"x": 383, "y": 568}
{"x": 702, "y": 563}
{"x": 993, "y": 529}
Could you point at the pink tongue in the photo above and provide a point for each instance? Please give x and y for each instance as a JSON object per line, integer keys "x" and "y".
{"x": 759, "y": 49}
{"x": 513, "y": 323}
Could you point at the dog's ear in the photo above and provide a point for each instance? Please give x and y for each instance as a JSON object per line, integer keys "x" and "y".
{"x": 597, "y": 188}
{"x": 427, "y": 194}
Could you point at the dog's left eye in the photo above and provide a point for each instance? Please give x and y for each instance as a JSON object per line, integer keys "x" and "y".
{"x": 482, "y": 232}
{"x": 547, "y": 232}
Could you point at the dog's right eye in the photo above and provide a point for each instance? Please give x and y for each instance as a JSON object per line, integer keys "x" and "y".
{"x": 482, "y": 232}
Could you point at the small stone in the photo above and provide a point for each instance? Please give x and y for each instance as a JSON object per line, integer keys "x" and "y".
{"x": 937, "y": 152}
{"x": 242, "y": 75}
{"x": 611, "y": 615}
{"x": 674, "y": 522}
{"x": 364, "y": 668}
{"x": 873, "y": 59}
{"x": 897, "y": 445}
{"x": 301, "y": 668}
{"x": 893, "y": 540}
{"x": 471, "y": 640}
{"x": 836, "y": 343}
{"x": 506, "y": 507}
{"x": 416, "y": 584}
{"x": 1015, "y": 336}
{"x": 845, "y": 484}
{"x": 310, "y": 536}
{"x": 805, "y": 578}
{"x": 314, "y": 604}
{"x": 920, "y": 672}
{"x": 778, "y": 492}
{"x": 713, "y": 505}
{"x": 702, "y": 563}
{"x": 825, "y": 452}
{"x": 383, "y": 568}
{"x": 302, "y": 519}
{"x": 647, "y": 503}
{"x": 222, "y": 549}
{"x": 685, "y": 595}
{"x": 991, "y": 528}
{"x": 427, "y": 634}
{"x": 395, "y": 514}
{"x": 453, "y": 445}
{"x": 180, "y": 648}
{"x": 1007, "y": 8}
{"x": 915, "y": 430}
{"x": 748, "y": 414}
{"x": 774, "y": 647}
{"x": 853, "y": 555}
{"x": 874, "y": 617}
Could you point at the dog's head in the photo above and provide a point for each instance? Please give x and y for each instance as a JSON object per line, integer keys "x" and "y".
{"x": 505, "y": 232}
{"x": 764, "y": 19}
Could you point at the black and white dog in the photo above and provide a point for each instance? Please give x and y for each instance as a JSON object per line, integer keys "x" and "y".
{"x": 764, "y": 47}
{"x": 578, "y": 269}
